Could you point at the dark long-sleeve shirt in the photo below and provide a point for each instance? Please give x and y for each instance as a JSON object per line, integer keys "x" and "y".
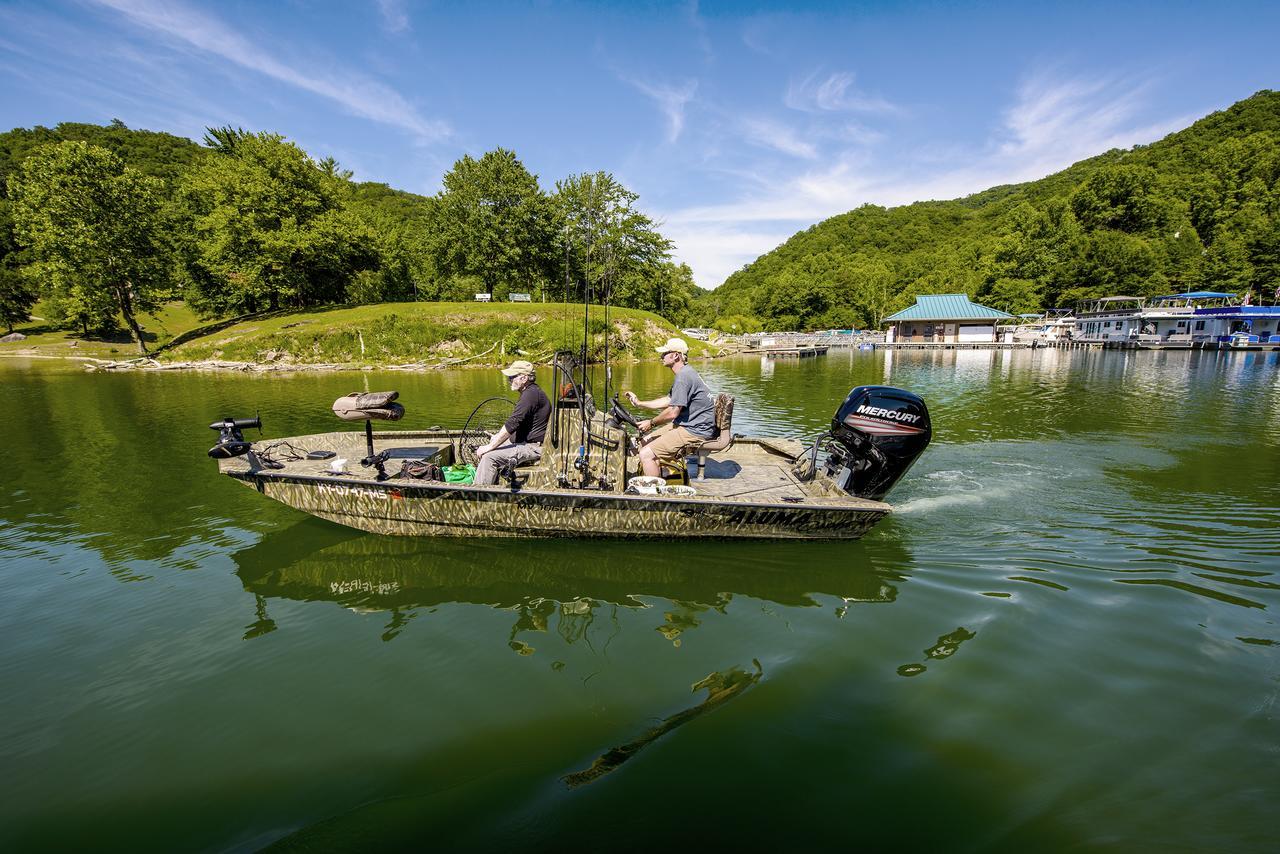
{"x": 528, "y": 423}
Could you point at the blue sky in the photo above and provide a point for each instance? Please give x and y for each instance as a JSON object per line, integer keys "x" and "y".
{"x": 738, "y": 124}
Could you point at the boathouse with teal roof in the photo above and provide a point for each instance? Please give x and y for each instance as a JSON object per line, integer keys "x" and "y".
{"x": 944, "y": 319}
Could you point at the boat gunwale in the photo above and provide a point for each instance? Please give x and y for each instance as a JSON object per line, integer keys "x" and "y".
{"x": 864, "y": 505}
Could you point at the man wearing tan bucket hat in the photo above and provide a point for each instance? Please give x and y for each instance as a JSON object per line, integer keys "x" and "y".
{"x": 687, "y": 407}
{"x": 520, "y": 439}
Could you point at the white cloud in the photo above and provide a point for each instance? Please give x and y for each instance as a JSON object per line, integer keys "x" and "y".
{"x": 715, "y": 251}
{"x": 1057, "y": 121}
{"x": 692, "y": 13}
{"x": 833, "y": 93}
{"x": 778, "y": 137}
{"x": 1051, "y": 124}
{"x": 395, "y": 17}
{"x": 355, "y": 93}
{"x": 671, "y": 100}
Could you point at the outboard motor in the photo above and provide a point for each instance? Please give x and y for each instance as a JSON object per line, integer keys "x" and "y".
{"x": 879, "y": 432}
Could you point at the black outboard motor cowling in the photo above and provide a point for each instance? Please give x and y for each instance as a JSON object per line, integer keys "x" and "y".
{"x": 879, "y": 432}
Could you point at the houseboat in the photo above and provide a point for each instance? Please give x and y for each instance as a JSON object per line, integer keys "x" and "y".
{"x": 1194, "y": 319}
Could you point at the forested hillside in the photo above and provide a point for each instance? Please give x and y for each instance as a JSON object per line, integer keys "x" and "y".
{"x": 103, "y": 224}
{"x": 1200, "y": 209}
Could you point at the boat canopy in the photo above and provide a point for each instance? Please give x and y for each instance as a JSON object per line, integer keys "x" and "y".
{"x": 1195, "y": 295}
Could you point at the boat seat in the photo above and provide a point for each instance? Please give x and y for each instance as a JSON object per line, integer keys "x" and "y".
{"x": 367, "y": 407}
{"x": 364, "y": 406}
{"x": 722, "y": 439}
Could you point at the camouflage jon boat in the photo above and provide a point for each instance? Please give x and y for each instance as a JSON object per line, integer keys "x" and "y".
{"x": 753, "y": 487}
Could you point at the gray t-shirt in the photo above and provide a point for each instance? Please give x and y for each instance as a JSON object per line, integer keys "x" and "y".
{"x": 697, "y": 414}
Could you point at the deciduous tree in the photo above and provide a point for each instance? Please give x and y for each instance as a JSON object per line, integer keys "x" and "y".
{"x": 491, "y": 220}
{"x": 607, "y": 245}
{"x": 96, "y": 234}
{"x": 270, "y": 229}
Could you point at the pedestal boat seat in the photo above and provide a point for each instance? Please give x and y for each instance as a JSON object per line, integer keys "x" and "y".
{"x": 367, "y": 407}
{"x": 722, "y": 439}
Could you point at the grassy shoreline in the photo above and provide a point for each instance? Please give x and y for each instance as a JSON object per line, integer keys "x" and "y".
{"x": 405, "y": 336}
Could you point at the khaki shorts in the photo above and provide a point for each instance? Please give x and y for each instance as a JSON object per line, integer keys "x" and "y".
{"x": 674, "y": 444}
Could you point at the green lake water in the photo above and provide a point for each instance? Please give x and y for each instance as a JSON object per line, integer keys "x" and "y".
{"x": 1065, "y": 638}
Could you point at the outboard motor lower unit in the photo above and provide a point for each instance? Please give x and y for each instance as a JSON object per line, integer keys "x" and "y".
{"x": 879, "y": 431}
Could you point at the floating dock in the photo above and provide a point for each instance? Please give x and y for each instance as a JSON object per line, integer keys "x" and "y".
{"x": 990, "y": 345}
{"x": 1254, "y": 346}
{"x": 792, "y": 352}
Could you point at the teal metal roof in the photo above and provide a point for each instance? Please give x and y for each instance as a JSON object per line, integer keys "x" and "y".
{"x": 947, "y": 307}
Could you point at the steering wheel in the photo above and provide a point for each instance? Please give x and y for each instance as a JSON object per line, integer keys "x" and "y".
{"x": 621, "y": 415}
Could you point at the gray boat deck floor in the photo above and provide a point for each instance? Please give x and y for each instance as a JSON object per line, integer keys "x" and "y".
{"x": 749, "y": 472}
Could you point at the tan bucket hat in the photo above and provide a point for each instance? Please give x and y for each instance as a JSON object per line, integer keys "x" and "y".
{"x": 518, "y": 367}
{"x": 674, "y": 345}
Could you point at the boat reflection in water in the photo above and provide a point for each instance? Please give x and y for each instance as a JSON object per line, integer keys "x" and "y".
{"x": 551, "y": 588}
{"x": 542, "y": 580}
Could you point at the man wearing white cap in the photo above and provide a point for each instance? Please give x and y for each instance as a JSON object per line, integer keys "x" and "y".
{"x": 525, "y": 429}
{"x": 687, "y": 407}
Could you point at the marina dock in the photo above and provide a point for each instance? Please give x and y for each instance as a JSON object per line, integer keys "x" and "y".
{"x": 793, "y": 352}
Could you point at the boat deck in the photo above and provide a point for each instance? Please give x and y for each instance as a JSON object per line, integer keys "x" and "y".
{"x": 751, "y": 470}
{"x": 748, "y": 491}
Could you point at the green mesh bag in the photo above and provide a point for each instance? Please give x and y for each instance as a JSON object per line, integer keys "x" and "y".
{"x": 462, "y": 473}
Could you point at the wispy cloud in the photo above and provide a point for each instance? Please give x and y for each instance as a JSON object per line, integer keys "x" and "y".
{"x": 395, "y": 15}
{"x": 1060, "y": 119}
{"x": 759, "y": 32}
{"x": 353, "y": 92}
{"x": 694, "y": 16}
{"x": 778, "y": 137}
{"x": 1051, "y": 123}
{"x": 834, "y": 92}
{"x": 671, "y": 100}
{"x": 59, "y": 59}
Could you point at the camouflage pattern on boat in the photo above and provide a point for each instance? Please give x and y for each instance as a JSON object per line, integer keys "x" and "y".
{"x": 748, "y": 493}
{"x": 745, "y": 488}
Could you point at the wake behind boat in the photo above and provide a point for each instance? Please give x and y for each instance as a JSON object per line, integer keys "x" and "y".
{"x": 586, "y": 483}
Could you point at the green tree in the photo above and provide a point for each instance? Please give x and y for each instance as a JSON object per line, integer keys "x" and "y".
{"x": 608, "y": 247}
{"x": 738, "y": 324}
{"x": 270, "y": 228}
{"x": 1113, "y": 262}
{"x": 670, "y": 292}
{"x": 17, "y": 294}
{"x": 225, "y": 139}
{"x": 492, "y": 221}
{"x": 793, "y": 300}
{"x": 871, "y": 289}
{"x": 1235, "y": 202}
{"x": 95, "y": 231}
{"x": 1124, "y": 197}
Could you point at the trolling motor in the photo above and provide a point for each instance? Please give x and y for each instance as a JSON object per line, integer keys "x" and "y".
{"x": 878, "y": 432}
{"x": 231, "y": 442}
